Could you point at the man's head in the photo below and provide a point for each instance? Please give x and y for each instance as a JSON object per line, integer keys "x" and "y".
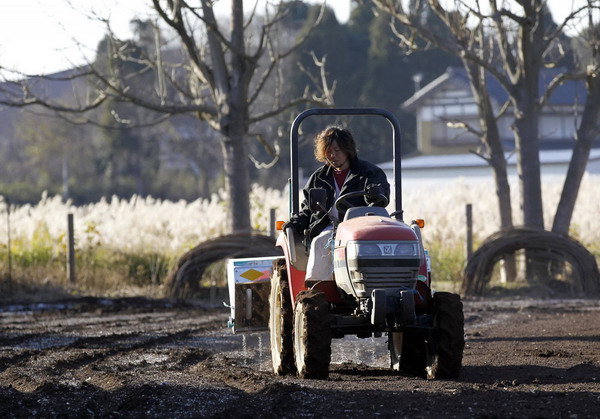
{"x": 335, "y": 146}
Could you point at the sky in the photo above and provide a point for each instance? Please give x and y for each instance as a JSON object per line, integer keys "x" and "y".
{"x": 44, "y": 36}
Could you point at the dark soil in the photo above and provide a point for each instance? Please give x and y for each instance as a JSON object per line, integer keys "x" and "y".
{"x": 135, "y": 357}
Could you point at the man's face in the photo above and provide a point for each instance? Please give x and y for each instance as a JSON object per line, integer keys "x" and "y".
{"x": 337, "y": 158}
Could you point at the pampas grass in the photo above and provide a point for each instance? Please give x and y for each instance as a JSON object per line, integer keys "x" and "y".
{"x": 126, "y": 246}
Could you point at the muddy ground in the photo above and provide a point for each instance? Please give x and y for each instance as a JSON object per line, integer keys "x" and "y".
{"x": 135, "y": 357}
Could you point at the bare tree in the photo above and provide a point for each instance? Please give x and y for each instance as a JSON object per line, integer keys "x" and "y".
{"x": 513, "y": 45}
{"x": 488, "y": 132}
{"x": 588, "y": 130}
{"x": 219, "y": 77}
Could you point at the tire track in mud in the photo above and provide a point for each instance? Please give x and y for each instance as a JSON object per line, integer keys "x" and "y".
{"x": 66, "y": 356}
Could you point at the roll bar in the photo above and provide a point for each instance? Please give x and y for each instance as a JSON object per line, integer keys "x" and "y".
{"x": 294, "y": 188}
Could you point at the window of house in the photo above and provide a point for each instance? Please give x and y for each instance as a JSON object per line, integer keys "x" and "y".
{"x": 557, "y": 126}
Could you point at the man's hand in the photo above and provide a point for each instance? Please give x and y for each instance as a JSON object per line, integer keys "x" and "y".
{"x": 373, "y": 191}
{"x": 293, "y": 225}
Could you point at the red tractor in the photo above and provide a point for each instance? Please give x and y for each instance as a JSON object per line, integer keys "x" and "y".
{"x": 381, "y": 285}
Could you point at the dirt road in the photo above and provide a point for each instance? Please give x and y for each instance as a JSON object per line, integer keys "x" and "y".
{"x": 134, "y": 357}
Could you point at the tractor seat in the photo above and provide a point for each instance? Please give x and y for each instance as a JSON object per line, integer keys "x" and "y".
{"x": 365, "y": 211}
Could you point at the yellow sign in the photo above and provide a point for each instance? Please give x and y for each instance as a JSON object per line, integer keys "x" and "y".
{"x": 252, "y": 274}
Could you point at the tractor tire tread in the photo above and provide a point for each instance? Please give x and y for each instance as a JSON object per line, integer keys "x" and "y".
{"x": 282, "y": 352}
{"x": 449, "y": 321}
{"x": 316, "y": 337}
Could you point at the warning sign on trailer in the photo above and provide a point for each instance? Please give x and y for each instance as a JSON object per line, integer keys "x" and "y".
{"x": 250, "y": 269}
{"x": 249, "y": 287}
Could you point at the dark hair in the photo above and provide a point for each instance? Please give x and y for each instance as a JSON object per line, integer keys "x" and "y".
{"x": 341, "y": 136}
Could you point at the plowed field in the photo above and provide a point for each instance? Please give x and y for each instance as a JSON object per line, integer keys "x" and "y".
{"x": 136, "y": 357}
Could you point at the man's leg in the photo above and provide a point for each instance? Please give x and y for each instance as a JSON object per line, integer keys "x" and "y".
{"x": 320, "y": 260}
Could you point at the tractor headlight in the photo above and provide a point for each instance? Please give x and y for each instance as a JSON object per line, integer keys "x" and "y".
{"x": 407, "y": 249}
{"x": 357, "y": 249}
{"x": 362, "y": 249}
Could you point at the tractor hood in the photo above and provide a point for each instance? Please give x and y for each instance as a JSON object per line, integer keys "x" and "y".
{"x": 373, "y": 228}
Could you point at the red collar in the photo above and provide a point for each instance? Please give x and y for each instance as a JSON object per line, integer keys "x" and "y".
{"x": 340, "y": 177}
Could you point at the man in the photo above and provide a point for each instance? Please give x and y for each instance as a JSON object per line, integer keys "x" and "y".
{"x": 341, "y": 173}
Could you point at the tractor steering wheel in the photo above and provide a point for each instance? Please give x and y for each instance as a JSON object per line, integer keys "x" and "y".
{"x": 341, "y": 204}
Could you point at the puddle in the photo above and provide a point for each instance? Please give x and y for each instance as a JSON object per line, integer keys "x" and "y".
{"x": 253, "y": 349}
{"x": 369, "y": 351}
{"x": 42, "y": 342}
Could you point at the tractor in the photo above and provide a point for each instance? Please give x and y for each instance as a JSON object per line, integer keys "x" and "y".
{"x": 381, "y": 285}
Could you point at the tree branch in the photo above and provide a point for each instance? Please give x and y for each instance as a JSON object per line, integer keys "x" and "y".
{"x": 277, "y": 58}
{"x": 217, "y": 54}
{"x": 290, "y": 104}
{"x": 452, "y": 46}
{"x": 201, "y": 70}
{"x": 264, "y": 77}
{"x": 561, "y": 27}
{"x": 456, "y": 123}
{"x": 503, "y": 109}
{"x": 274, "y": 152}
{"x": 172, "y": 109}
{"x": 88, "y": 121}
{"x": 487, "y": 159}
{"x": 510, "y": 62}
{"x": 54, "y": 106}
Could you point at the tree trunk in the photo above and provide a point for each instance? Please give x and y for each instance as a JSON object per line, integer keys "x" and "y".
{"x": 528, "y": 169}
{"x": 497, "y": 160}
{"x": 568, "y": 197}
{"x": 586, "y": 135}
{"x": 235, "y": 158}
{"x": 525, "y": 94}
{"x": 498, "y": 163}
{"x": 237, "y": 175}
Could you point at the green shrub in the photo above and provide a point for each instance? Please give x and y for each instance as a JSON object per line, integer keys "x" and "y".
{"x": 145, "y": 269}
{"x": 447, "y": 263}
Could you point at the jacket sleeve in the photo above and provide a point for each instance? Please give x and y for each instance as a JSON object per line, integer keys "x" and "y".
{"x": 302, "y": 218}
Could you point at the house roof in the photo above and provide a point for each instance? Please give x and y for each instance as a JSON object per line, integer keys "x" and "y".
{"x": 569, "y": 92}
{"x": 446, "y": 161}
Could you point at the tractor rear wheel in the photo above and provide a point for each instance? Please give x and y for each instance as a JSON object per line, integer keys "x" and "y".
{"x": 312, "y": 335}
{"x": 281, "y": 321}
{"x": 449, "y": 324}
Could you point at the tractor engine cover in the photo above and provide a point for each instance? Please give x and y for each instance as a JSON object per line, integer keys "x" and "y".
{"x": 375, "y": 252}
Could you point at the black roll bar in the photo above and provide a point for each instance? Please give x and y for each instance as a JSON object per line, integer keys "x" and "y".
{"x": 294, "y": 188}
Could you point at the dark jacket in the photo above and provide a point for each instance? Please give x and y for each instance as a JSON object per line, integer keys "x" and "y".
{"x": 362, "y": 173}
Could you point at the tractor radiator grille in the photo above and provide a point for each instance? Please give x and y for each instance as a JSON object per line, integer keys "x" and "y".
{"x": 366, "y": 281}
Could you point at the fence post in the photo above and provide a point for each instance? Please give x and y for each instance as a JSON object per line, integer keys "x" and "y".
{"x": 469, "y": 243}
{"x": 272, "y": 231}
{"x": 70, "y": 249}
{"x": 9, "y": 246}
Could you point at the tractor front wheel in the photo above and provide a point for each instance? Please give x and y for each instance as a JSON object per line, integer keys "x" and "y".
{"x": 312, "y": 335}
{"x": 449, "y": 324}
{"x": 281, "y": 321}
